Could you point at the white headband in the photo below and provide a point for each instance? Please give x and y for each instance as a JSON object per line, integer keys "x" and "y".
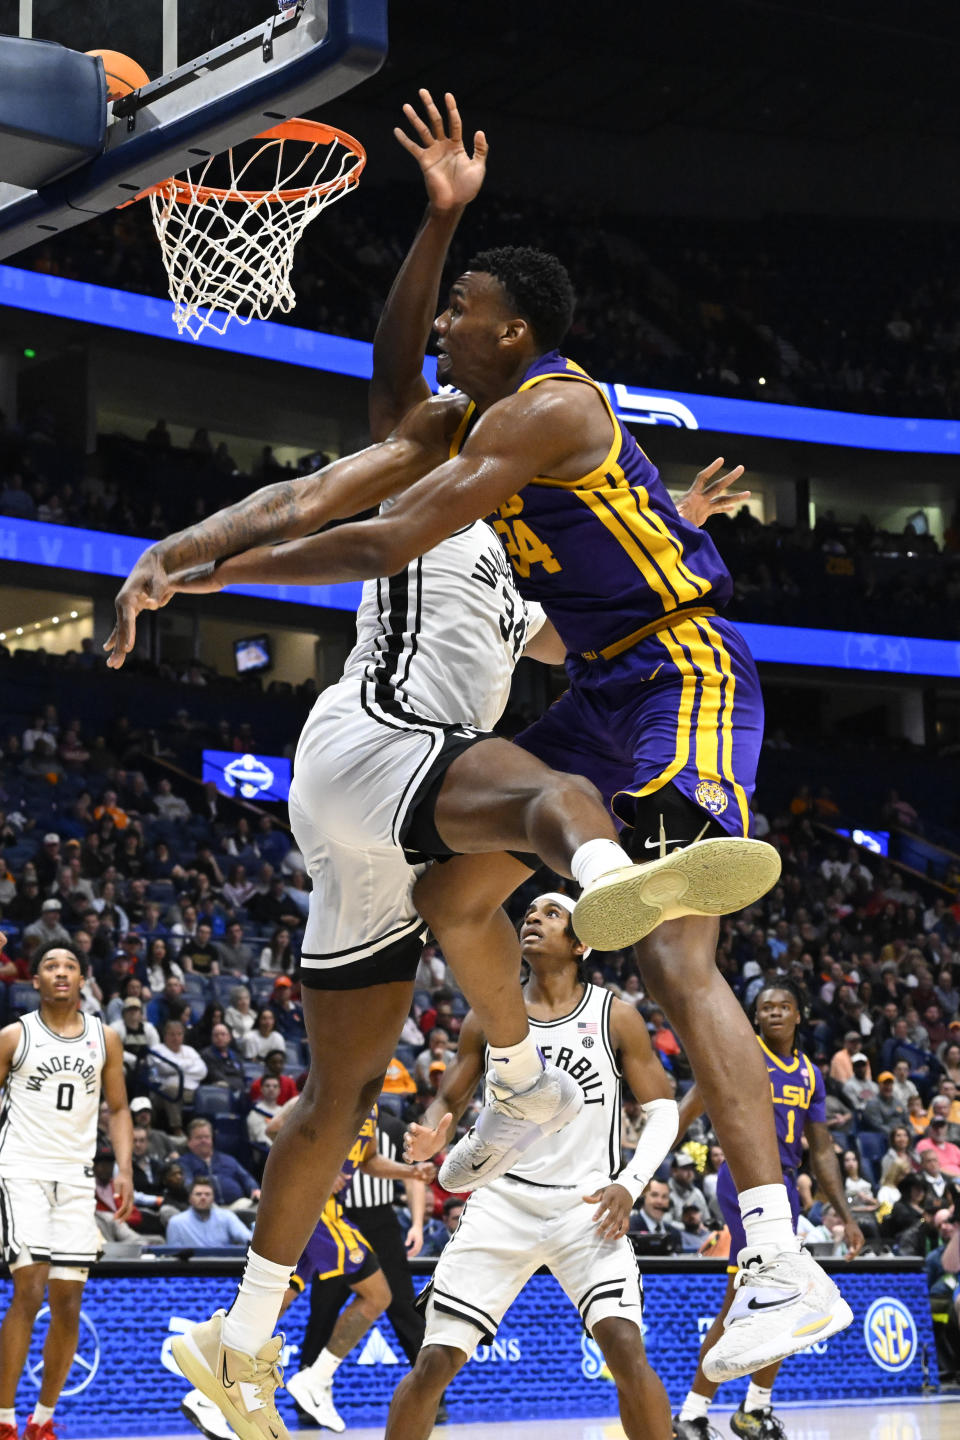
{"x": 567, "y": 904}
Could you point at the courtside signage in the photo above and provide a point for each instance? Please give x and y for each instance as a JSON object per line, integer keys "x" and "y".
{"x": 266, "y": 340}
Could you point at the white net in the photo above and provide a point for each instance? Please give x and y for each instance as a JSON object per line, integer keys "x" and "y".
{"x": 228, "y": 249}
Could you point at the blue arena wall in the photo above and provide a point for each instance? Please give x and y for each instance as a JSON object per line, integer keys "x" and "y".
{"x": 541, "y": 1365}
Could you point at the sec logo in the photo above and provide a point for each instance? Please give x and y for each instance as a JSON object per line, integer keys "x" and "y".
{"x": 890, "y": 1334}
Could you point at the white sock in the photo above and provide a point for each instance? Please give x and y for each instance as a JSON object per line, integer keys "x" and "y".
{"x": 41, "y": 1413}
{"x": 695, "y": 1407}
{"x": 8, "y": 1417}
{"x": 324, "y": 1367}
{"x": 757, "y": 1398}
{"x": 252, "y": 1317}
{"x": 518, "y": 1066}
{"x": 767, "y": 1220}
{"x": 596, "y": 858}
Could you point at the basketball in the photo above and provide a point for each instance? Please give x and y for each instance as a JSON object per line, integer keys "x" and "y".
{"x": 123, "y": 74}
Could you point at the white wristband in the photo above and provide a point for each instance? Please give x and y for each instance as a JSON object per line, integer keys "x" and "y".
{"x": 661, "y": 1120}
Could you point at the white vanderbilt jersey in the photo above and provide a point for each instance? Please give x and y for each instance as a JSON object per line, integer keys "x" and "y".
{"x": 586, "y": 1153}
{"x": 440, "y": 640}
{"x": 51, "y": 1101}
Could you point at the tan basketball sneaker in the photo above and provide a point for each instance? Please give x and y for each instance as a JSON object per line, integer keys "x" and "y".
{"x": 710, "y": 877}
{"x": 243, "y": 1387}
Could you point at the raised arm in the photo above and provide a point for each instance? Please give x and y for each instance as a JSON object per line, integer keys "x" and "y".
{"x": 452, "y": 179}
{"x": 460, "y": 1080}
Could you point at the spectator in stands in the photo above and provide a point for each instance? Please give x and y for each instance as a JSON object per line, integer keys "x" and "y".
{"x": 683, "y": 1187}
{"x": 947, "y": 1153}
{"x": 903, "y": 1087}
{"x": 664, "y": 1041}
{"x": 239, "y": 1013}
{"x": 109, "y": 805}
{"x": 923, "y": 1236}
{"x": 288, "y": 1010}
{"x": 170, "y": 806}
{"x": 159, "y": 437}
{"x": 906, "y": 1211}
{"x": 48, "y": 860}
{"x": 238, "y": 888}
{"x": 861, "y": 1089}
{"x": 201, "y": 1033}
{"x": 267, "y": 1105}
{"x": 148, "y": 1185}
{"x": 27, "y": 905}
{"x": 438, "y": 1234}
{"x": 274, "y": 1067}
{"x": 841, "y": 1063}
{"x": 883, "y": 1111}
{"x": 437, "y": 1049}
{"x": 931, "y": 1173}
{"x": 224, "y": 1065}
{"x": 234, "y": 954}
{"x": 180, "y": 1072}
{"x": 205, "y": 1225}
{"x": 901, "y": 1147}
{"x": 859, "y": 1192}
{"x": 16, "y": 500}
{"x": 631, "y": 1125}
{"x": 888, "y": 1191}
{"x": 198, "y": 954}
{"x": 278, "y": 958}
{"x": 652, "y": 1216}
{"x": 48, "y": 929}
{"x": 693, "y": 1231}
{"x": 275, "y": 907}
{"x": 168, "y": 1005}
{"x": 233, "y": 1186}
{"x": 161, "y": 966}
{"x": 137, "y": 1036}
{"x": 161, "y": 1146}
{"x": 951, "y": 1058}
{"x": 263, "y": 1038}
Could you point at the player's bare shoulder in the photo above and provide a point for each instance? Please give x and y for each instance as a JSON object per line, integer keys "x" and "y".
{"x": 10, "y": 1037}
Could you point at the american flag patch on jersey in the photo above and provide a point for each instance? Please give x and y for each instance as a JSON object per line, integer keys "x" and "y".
{"x": 588, "y": 1026}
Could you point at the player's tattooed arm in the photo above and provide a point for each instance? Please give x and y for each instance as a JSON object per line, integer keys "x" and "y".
{"x": 826, "y": 1170}
{"x": 120, "y": 1123}
{"x": 457, "y": 1088}
{"x": 710, "y": 493}
{"x": 452, "y": 178}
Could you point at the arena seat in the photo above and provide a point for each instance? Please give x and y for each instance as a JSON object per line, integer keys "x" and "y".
{"x": 195, "y": 986}
{"x": 261, "y": 988}
{"x": 214, "y": 1100}
{"x": 23, "y": 997}
{"x": 872, "y": 1145}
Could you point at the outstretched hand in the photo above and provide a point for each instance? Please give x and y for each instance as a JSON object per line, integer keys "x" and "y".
{"x": 452, "y": 177}
{"x": 422, "y": 1143}
{"x": 612, "y": 1217}
{"x": 709, "y": 496}
{"x": 147, "y": 587}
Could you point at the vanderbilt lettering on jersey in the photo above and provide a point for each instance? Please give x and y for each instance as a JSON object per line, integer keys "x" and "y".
{"x": 48, "y": 1124}
{"x": 586, "y": 1074}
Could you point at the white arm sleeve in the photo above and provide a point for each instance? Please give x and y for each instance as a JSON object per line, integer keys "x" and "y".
{"x": 661, "y": 1120}
{"x": 535, "y": 618}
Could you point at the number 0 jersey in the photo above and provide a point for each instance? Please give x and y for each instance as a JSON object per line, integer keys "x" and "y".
{"x": 585, "y": 1153}
{"x": 440, "y": 640}
{"x": 48, "y": 1122}
{"x": 606, "y": 555}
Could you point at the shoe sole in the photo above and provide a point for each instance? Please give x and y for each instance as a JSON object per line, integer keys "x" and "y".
{"x": 197, "y": 1371}
{"x": 293, "y": 1390}
{"x": 760, "y": 1357}
{"x": 538, "y": 1131}
{"x": 711, "y": 877}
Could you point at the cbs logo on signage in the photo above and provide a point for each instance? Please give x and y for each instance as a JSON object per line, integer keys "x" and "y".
{"x": 890, "y": 1334}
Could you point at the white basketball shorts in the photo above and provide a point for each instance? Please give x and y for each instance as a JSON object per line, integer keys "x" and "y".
{"x": 506, "y": 1232}
{"x": 357, "y": 783}
{"x": 49, "y": 1222}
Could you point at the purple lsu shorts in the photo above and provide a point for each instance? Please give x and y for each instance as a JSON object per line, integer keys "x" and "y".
{"x": 335, "y": 1248}
{"x": 729, "y": 1203}
{"x": 682, "y": 706}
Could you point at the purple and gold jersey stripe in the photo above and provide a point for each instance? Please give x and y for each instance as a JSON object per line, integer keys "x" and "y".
{"x": 606, "y": 555}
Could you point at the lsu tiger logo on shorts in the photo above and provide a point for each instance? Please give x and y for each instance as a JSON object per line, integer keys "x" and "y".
{"x": 711, "y": 796}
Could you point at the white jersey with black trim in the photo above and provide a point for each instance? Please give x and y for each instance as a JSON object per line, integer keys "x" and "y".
{"x": 51, "y": 1101}
{"x": 586, "y": 1153}
{"x": 437, "y": 644}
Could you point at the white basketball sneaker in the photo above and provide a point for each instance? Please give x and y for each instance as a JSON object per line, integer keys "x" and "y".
{"x": 508, "y": 1126}
{"x": 780, "y": 1306}
{"x": 202, "y": 1413}
{"x": 317, "y": 1399}
{"x": 709, "y": 877}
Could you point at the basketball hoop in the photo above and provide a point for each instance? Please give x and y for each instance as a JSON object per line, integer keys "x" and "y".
{"x": 228, "y": 251}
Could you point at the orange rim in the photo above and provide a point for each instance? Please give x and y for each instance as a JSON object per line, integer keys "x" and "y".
{"x": 308, "y": 132}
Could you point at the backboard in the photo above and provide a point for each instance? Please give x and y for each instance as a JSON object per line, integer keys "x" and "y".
{"x": 221, "y": 71}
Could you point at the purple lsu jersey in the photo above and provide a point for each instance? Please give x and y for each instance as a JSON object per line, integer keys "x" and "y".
{"x": 336, "y": 1247}
{"x": 608, "y": 554}
{"x": 799, "y": 1095}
